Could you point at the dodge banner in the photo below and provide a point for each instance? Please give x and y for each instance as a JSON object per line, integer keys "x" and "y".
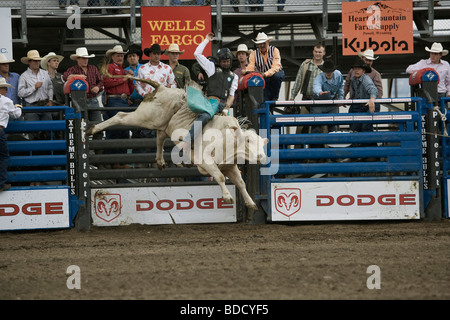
{"x": 386, "y": 27}
{"x": 185, "y": 26}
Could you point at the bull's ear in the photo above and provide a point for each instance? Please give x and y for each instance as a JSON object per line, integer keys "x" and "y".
{"x": 266, "y": 141}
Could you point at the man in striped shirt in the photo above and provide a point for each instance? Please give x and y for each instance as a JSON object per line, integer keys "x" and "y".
{"x": 266, "y": 59}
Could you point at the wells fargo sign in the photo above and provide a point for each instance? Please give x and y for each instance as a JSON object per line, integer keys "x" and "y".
{"x": 185, "y": 26}
{"x": 386, "y": 27}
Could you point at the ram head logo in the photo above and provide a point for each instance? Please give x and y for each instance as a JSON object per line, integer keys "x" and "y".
{"x": 107, "y": 206}
{"x": 287, "y": 201}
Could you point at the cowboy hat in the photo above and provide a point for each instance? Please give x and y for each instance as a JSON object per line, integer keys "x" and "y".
{"x": 174, "y": 48}
{"x": 327, "y": 66}
{"x": 437, "y": 48}
{"x": 3, "y": 83}
{"x": 47, "y": 58}
{"x": 242, "y": 48}
{"x": 361, "y": 64}
{"x": 134, "y": 49}
{"x": 261, "y": 38}
{"x": 81, "y": 53}
{"x": 31, "y": 55}
{"x": 368, "y": 54}
{"x": 154, "y": 48}
{"x": 117, "y": 49}
{"x": 4, "y": 59}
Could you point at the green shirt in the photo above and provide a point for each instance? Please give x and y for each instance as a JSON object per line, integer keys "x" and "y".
{"x": 182, "y": 76}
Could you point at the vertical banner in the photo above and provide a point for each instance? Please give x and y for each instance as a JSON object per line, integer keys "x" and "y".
{"x": 185, "y": 26}
{"x": 6, "y": 38}
{"x": 386, "y": 27}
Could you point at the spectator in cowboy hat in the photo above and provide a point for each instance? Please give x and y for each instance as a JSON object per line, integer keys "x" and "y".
{"x": 93, "y": 78}
{"x": 181, "y": 73}
{"x": 242, "y": 53}
{"x": 50, "y": 62}
{"x": 435, "y": 61}
{"x": 328, "y": 85}
{"x": 11, "y": 78}
{"x": 267, "y": 60}
{"x": 133, "y": 57}
{"x": 118, "y": 91}
{"x": 36, "y": 88}
{"x": 155, "y": 70}
{"x": 7, "y": 111}
{"x": 368, "y": 57}
{"x": 362, "y": 88}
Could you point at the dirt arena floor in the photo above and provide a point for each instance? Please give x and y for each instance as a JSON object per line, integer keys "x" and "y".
{"x": 230, "y": 261}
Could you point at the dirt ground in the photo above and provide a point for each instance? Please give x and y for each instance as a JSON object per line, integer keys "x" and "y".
{"x": 230, "y": 261}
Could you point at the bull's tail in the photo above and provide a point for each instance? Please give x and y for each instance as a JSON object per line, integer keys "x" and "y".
{"x": 104, "y": 72}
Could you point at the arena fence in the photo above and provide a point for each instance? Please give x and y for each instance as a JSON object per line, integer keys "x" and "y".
{"x": 445, "y": 157}
{"x": 343, "y": 175}
{"x": 41, "y": 170}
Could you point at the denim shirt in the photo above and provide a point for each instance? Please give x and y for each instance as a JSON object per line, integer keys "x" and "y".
{"x": 363, "y": 88}
{"x": 335, "y": 86}
{"x": 12, "y": 92}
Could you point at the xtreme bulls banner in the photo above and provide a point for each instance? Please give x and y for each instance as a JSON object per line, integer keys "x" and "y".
{"x": 185, "y": 26}
{"x": 386, "y": 27}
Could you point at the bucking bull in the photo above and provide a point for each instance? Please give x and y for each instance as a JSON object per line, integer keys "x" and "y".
{"x": 166, "y": 110}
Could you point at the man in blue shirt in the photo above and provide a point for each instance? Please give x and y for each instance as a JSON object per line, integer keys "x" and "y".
{"x": 362, "y": 88}
{"x": 12, "y": 78}
{"x": 133, "y": 57}
{"x": 328, "y": 85}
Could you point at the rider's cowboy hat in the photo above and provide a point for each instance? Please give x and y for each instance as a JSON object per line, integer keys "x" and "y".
{"x": 47, "y": 58}
{"x": 437, "y": 48}
{"x": 31, "y": 55}
{"x": 81, "y": 53}
{"x": 361, "y": 64}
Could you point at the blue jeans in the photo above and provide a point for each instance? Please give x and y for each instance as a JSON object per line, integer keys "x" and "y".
{"x": 4, "y": 156}
{"x": 360, "y": 127}
{"x": 273, "y": 85}
{"x": 116, "y": 134}
{"x": 203, "y": 118}
{"x": 321, "y": 110}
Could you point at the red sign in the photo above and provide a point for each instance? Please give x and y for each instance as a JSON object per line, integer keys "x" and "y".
{"x": 386, "y": 27}
{"x": 185, "y": 26}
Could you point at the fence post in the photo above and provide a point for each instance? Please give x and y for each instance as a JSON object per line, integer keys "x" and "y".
{"x": 78, "y": 167}
{"x": 424, "y": 84}
{"x": 253, "y": 97}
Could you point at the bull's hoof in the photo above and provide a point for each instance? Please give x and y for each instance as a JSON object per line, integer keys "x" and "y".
{"x": 90, "y": 131}
{"x": 251, "y": 206}
{"x": 161, "y": 165}
{"x": 228, "y": 200}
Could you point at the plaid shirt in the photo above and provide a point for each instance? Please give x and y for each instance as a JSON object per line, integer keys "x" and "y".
{"x": 93, "y": 77}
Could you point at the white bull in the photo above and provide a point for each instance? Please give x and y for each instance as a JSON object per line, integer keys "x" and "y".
{"x": 168, "y": 111}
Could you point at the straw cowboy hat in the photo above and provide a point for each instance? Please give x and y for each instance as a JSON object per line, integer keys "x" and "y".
{"x": 81, "y": 53}
{"x": 368, "y": 54}
{"x": 117, "y": 49}
{"x": 261, "y": 38}
{"x": 174, "y": 48}
{"x": 31, "y": 55}
{"x": 3, "y": 83}
{"x": 47, "y": 58}
{"x": 437, "y": 48}
{"x": 4, "y": 59}
{"x": 242, "y": 48}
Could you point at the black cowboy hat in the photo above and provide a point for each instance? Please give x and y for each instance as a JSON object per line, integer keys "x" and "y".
{"x": 134, "y": 49}
{"x": 327, "y": 66}
{"x": 361, "y": 64}
{"x": 154, "y": 48}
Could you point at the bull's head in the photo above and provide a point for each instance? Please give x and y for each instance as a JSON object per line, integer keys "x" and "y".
{"x": 254, "y": 146}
